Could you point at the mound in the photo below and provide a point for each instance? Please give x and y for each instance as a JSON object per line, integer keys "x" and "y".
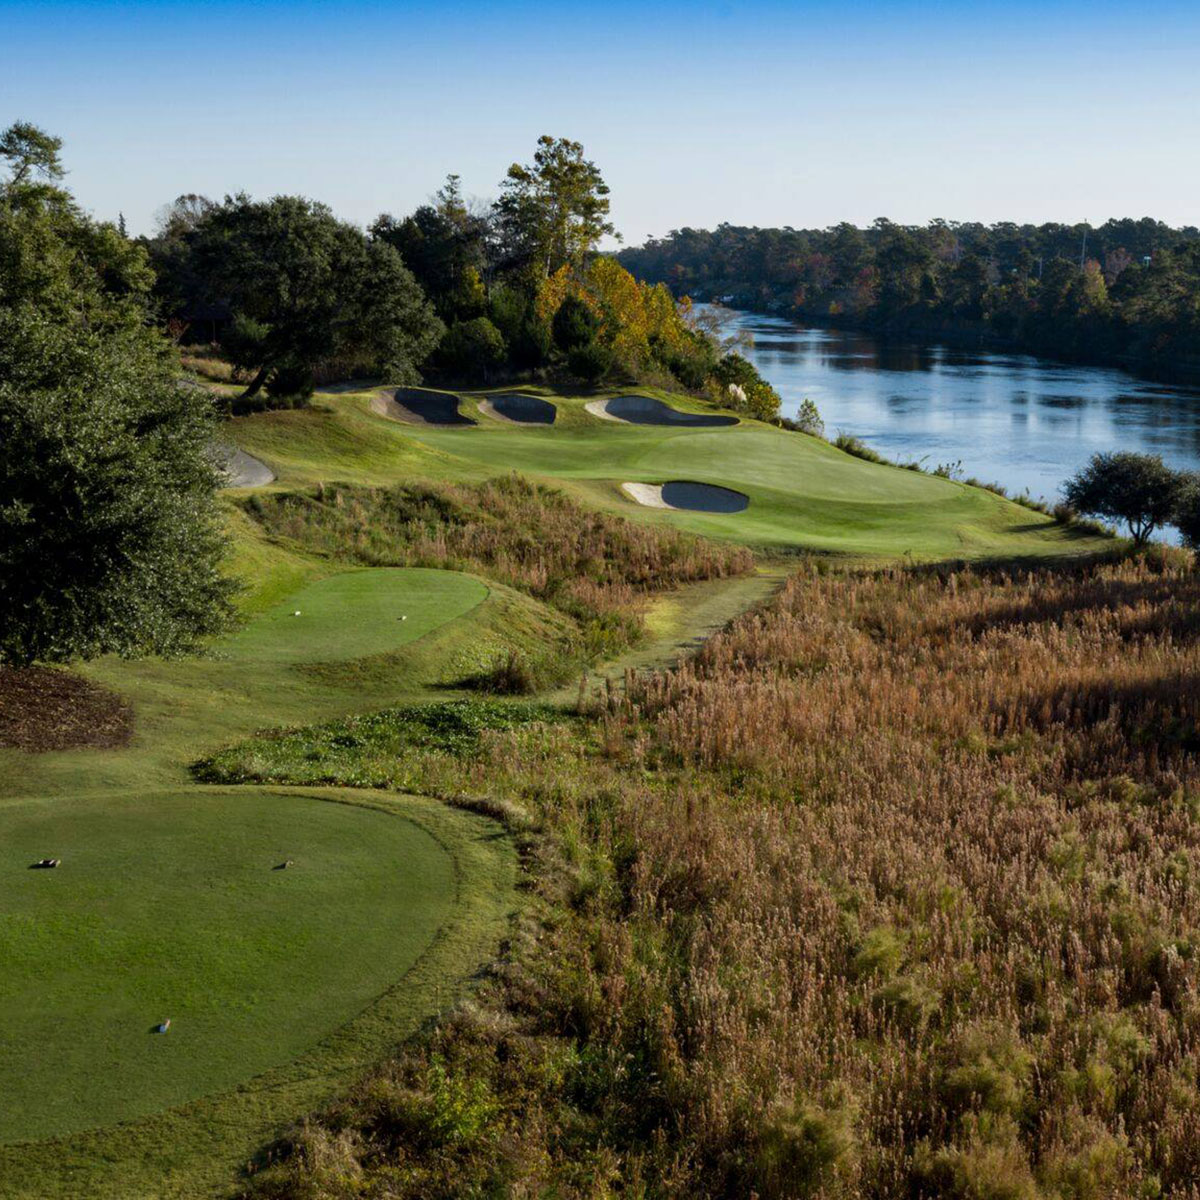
{"x": 525, "y": 410}
{"x": 644, "y": 410}
{"x": 688, "y": 495}
{"x": 417, "y": 406}
{"x": 45, "y": 709}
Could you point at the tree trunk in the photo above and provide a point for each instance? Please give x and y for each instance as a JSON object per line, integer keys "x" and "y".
{"x": 255, "y": 384}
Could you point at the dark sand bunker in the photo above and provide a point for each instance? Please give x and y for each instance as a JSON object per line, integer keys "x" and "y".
{"x": 643, "y": 410}
{"x": 241, "y": 470}
{"x": 417, "y": 406}
{"x": 689, "y": 495}
{"x": 525, "y": 410}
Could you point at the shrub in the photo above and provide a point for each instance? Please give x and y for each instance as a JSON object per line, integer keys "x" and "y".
{"x": 1139, "y": 489}
{"x": 808, "y": 419}
{"x": 738, "y": 385}
{"x": 850, "y": 444}
{"x": 472, "y": 348}
{"x": 590, "y": 363}
{"x": 1187, "y": 511}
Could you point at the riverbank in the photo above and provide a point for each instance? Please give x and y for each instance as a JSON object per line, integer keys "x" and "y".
{"x": 1022, "y": 421}
{"x": 914, "y": 327}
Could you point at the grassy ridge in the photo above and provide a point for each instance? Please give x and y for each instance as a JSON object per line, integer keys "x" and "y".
{"x": 805, "y": 494}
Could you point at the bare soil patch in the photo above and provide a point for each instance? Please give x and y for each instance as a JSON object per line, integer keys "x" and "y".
{"x": 43, "y": 708}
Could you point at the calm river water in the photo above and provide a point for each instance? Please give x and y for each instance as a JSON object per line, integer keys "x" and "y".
{"x": 1023, "y": 422}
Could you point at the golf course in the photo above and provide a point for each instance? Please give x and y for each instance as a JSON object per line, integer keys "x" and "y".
{"x": 803, "y": 493}
{"x": 290, "y": 935}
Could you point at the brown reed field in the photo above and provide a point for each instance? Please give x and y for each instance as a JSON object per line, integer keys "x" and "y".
{"x": 892, "y": 892}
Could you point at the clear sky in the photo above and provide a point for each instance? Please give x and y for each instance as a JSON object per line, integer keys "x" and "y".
{"x": 753, "y": 112}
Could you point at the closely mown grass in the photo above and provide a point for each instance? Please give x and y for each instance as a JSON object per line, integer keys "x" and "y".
{"x": 892, "y": 892}
{"x": 595, "y": 567}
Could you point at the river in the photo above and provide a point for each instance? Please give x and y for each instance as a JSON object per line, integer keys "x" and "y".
{"x": 1026, "y": 423}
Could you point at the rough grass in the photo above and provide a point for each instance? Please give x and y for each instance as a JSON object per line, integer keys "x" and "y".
{"x": 893, "y": 892}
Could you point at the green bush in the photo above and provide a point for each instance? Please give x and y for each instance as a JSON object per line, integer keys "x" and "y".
{"x": 738, "y": 385}
{"x": 473, "y": 348}
{"x": 590, "y": 363}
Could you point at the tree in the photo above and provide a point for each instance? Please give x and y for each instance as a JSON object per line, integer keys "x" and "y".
{"x": 590, "y": 362}
{"x": 1187, "y": 511}
{"x": 1139, "y": 489}
{"x": 574, "y": 325}
{"x": 553, "y": 212}
{"x": 30, "y": 151}
{"x": 808, "y": 419}
{"x": 109, "y": 532}
{"x": 473, "y": 348}
{"x": 445, "y": 245}
{"x": 305, "y": 288}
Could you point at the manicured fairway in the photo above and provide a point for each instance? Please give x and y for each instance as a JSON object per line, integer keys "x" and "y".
{"x": 168, "y": 906}
{"x": 803, "y": 493}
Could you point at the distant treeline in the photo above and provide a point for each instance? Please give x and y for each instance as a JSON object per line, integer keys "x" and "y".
{"x": 1127, "y": 291}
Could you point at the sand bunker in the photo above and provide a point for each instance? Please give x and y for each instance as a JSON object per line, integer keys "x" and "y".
{"x": 687, "y": 494}
{"x": 241, "y": 469}
{"x": 524, "y": 410}
{"x": 642, "y": 410}
{"x": 416, "y": 406}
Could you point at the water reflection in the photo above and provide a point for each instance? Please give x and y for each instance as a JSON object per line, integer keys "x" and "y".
{"x": 1023, "y": 422}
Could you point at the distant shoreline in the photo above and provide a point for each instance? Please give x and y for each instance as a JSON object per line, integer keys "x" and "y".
{"x": 1180, "y": 371}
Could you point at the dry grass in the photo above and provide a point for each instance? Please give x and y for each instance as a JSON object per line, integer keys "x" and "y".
{"x": 894, "y": 892}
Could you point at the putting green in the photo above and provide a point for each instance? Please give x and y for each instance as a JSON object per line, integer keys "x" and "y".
{"x": 354, "y": 614}
{"x": 168, "y": 906}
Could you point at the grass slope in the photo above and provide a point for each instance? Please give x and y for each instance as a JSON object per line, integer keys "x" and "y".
{"x": 804, "y": 493}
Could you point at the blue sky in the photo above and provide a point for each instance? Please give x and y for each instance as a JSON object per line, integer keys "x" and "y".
{"x": 755, "y": 113}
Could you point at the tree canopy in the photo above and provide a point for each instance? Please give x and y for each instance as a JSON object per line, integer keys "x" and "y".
{"x": 1139, "y": 489}
{"x": 1128, "y": 289}
{"x": 304, "y": 288}
{"x": 554, "y": 211}
{"x": 109, "y": 539}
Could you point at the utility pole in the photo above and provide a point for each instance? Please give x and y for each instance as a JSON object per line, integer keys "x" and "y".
{"x": 1083, "y": 249}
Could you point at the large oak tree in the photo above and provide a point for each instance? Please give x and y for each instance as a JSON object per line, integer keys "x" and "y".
{"x": 305, "y": 288}
{"x": 109, "y": 537}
